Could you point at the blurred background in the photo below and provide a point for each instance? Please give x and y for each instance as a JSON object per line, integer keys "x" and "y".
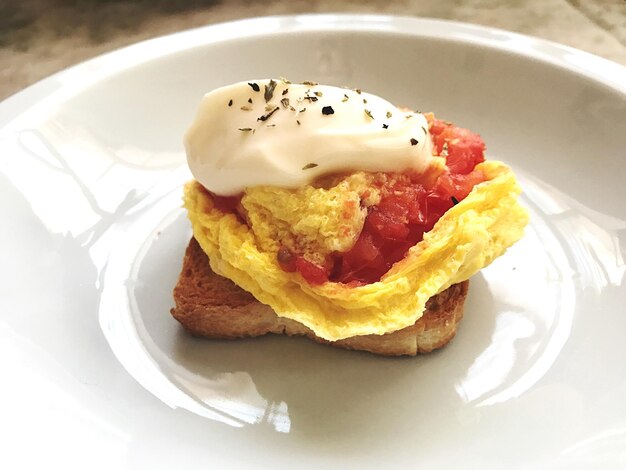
{"x": 40, "y": 37}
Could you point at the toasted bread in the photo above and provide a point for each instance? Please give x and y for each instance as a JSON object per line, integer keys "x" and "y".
{"x": 212, "y": 306}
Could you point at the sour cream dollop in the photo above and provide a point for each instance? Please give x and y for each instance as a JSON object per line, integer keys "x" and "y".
{"x": 273, "y": 132}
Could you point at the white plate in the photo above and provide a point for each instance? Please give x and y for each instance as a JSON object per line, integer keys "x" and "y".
{"x": 96, "y": 374}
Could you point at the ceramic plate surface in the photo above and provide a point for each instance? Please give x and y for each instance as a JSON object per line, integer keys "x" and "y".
{"x": 96, "y": 374}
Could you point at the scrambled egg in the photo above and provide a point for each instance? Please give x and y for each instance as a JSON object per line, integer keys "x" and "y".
{"x": 311, "y": 221}
{"x": 465, "y": 239}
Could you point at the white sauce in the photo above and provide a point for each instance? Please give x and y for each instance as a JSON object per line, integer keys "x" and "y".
{"x": 231, "y": 147}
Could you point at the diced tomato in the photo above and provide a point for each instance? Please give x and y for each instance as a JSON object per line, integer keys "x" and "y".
{"x": 362, "y": 262}
{"x": 363, "y": 252}
{"x": 438, "y": 204}
{"x": 386, "y": 226}
{"x": 417, "y": 204}
{"x": 462, "y": 148}
{"x": 409, "y": 207}
{"x": 311, "y": 272}
{"x": 458, "y": 185}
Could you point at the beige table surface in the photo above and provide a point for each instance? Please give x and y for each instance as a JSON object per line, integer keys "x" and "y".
{"x": 40, "y": 37}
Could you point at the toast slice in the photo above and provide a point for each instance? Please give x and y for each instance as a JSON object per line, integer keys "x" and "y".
{"x": 212, "y": 306}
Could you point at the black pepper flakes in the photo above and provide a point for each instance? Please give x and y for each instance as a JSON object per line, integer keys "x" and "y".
{"x": 455, "y": 201}
{"x": 385, "y": 126}
{"x": 269, "y": 90}
{"x": 255, "y": 86}
{"x": 309, "y": 83}
{"x": 326, "y": 110}
{"x": 230, "y": 102}
{"x": 244, "y": 129}
{"x": 250, "y": 100}
{"x": 368, "y": 113}
{"x": 285, "y": 91}
{"x": 268, "y": 115}
{"x": 285, "y": 102}
{"x": 298, "y": 122}
{"x": 308, "y": 166}
{"x": 345, "y": 98}
{"x": 414, "y": 141}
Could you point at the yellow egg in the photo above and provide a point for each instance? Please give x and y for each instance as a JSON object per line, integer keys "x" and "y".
{"x": 312, "y": 221}
{"x": 466, "y": 238}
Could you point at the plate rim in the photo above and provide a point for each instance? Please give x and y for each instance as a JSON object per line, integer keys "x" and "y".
{"x": 70, "y": 81}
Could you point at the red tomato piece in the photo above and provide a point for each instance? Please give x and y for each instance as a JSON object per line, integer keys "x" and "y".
{"x": 458, "y": 185}
{"x": 406, "y": 211}
{"x": 311, "y": 272}
{"x": 462, "y": 148}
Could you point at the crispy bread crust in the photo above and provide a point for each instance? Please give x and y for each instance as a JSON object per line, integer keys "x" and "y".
{"x": 212, "y": 306}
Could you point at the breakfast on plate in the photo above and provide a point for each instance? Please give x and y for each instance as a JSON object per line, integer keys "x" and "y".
{"x": 331, "y": 213}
